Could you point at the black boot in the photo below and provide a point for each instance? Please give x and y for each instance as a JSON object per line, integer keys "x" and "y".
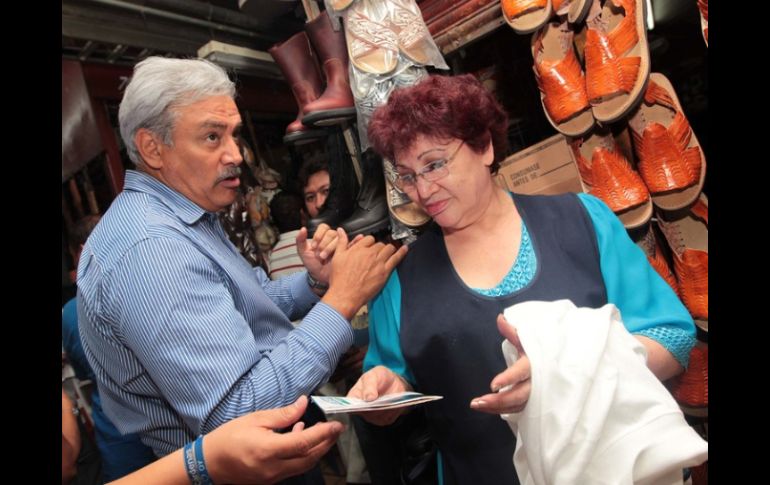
{"x": 371, "y": 211}
{"x": 343, "y": 185}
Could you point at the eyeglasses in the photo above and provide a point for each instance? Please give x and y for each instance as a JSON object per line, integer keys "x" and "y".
{"x": 435, "y": 170}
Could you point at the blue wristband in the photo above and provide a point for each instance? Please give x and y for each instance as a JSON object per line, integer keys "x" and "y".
{"x": 202, "y": 471}
{"x": 189, "y": 462}
{"x": 195, "y": 464}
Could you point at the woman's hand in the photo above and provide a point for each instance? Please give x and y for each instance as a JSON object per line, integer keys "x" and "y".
{"x": 375, "y": 383}
{"x": 510, "y": 388}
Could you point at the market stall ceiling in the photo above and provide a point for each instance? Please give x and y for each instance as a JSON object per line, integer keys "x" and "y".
{"x": 123, "y": 32}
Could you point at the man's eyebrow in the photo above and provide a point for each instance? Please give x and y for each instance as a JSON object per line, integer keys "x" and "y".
{"x": 213, "y": 124}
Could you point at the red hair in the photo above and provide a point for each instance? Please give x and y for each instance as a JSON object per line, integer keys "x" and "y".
{"x": 441, "y": 107}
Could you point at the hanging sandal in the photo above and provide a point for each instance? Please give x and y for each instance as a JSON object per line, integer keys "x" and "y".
{"x": 686, "y": 232}
{"x": 339, "y": 5}
{"x": 560, "y": 80}
{"x": 414, "y": 40}
{"x": 691, "y": 388}
{"x": 525, "y": 16}
{"x": 651, "y": 247}
{"x": 703, "y": 6}
{"x": 670, "y": 159}
{"x": 617, "y": 57}
{"x": 372, "y": 45}
{"x": 575, "y": 10}
{"x": 609, "y": 176}
{"x": 400, "y": 205}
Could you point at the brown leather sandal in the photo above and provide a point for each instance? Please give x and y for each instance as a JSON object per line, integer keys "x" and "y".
{"x": 651, "y": 247}
{"x": 703, "y": 6}
{"x": 691, "y": 388}
{"x": 607, "y": 173}
{"x": 560, "y": 80}
{"x": 686, "y": 232}
{"x": 617, "y": 57}
{"x": 525, "y": 16}
{"x": 575, "y": 10}
{"x": 670, "y": 159}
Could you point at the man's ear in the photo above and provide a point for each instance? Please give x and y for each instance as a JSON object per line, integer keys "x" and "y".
{"x": 150, "y": 148}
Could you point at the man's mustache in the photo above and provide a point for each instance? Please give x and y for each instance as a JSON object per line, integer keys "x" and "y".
{"x": 230, "y": 172}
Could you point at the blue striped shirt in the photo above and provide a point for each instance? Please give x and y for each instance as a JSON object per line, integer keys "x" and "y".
{"x": 182, "y": 333}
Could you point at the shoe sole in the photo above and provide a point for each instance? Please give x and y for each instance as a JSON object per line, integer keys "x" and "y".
{"x": 303, "y": 137}
{"x": 329, "y": 117}
{"x": 530, "y": 22}
{"x": 409, "y": 214}
{"x": 370, "y": 229}
{"x": 578, "y": 11}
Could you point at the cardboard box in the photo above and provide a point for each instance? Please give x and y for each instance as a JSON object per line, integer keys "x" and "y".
{"x": 545, "y": 168}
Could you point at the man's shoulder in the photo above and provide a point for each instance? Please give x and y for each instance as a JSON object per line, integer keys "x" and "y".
{"x": 134, "y": 220}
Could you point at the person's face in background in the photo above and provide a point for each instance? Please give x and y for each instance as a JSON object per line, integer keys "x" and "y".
{"x": 315, "y": 192}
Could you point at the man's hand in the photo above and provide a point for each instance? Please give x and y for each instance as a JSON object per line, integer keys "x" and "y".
{"x": 510, "y": 388}
{"x": 70, "y": 439}
{"x": 377, "y": 382}
{"x": 358, "y": 271}
{"x": 247, "y": 450}
{"x": 316, "y": 253}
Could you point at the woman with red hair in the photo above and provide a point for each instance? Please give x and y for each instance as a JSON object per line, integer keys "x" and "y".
{"x": 433, "y": 326}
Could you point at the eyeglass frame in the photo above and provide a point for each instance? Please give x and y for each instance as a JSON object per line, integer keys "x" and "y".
{"x": 426, "y": 171}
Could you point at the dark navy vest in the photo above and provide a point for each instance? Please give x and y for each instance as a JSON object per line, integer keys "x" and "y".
{"x": 449, "y": 336}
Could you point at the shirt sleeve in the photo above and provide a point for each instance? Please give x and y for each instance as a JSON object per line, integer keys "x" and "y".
{"x": 648, "y": 306}
{"x": 385, "y": 330}
{"x": 70, "y": 336}
{"x": 291, "y": 293}
{"x": 172, "y": 308}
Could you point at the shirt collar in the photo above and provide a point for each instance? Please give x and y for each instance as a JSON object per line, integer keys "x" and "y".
{"x": 187, "y": 211}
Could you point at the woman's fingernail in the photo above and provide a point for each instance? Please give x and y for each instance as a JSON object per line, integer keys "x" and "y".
{"x": 476, "y": 403}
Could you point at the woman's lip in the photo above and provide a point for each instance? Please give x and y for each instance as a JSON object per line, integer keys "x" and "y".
{"x": 436, "y": 207}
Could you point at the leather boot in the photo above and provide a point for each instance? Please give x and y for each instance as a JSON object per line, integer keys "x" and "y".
{"x": 336, "y": 103}
{"x": 343, "y": 185}
{"x": 371, "y": 209}
{"x": 297, "y": 63}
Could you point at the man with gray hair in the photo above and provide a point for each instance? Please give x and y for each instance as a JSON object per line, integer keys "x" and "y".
{"x": 182, "y": 333}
